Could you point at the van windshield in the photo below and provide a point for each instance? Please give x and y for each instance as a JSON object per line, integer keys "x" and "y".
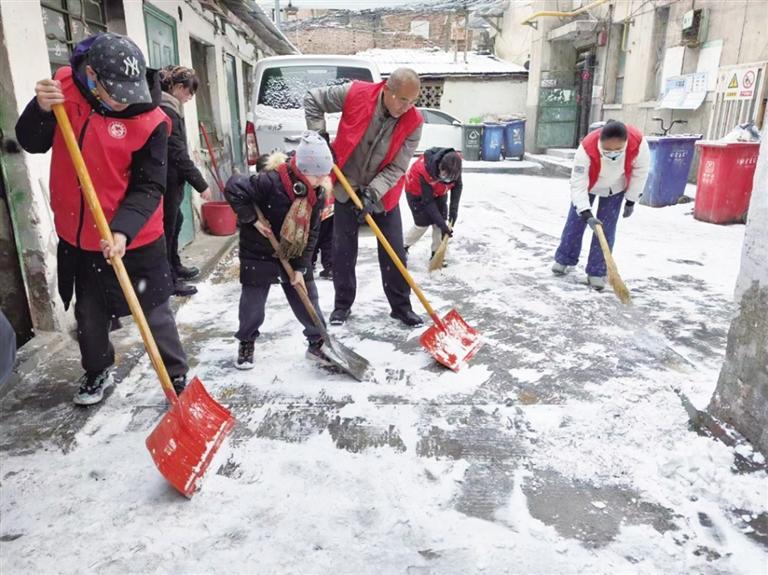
{"x": 285, "y": 87}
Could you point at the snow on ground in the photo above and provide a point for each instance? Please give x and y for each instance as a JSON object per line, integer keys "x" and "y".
{"x": 563, "y": 447}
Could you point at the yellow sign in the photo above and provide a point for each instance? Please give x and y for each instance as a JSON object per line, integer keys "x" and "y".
{"x": 734, "y": 82}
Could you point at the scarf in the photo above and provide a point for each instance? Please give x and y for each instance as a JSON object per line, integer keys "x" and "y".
{"x": 294, "y": 233}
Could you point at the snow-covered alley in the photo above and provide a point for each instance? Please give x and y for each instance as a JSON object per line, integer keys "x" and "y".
{"x": 564, "y": 446}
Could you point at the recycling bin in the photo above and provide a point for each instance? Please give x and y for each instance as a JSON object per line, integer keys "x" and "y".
{"x": 472, "y": 136}
{"x": 514, "y": 139}
{"x": 671, "y": 159}
{"x": 493, "y": 140}
{"x": 724, "y": 181}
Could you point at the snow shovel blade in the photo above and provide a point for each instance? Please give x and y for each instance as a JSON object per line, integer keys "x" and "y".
{"x": 346, "y": 359}
{"x": 452, "y": 342}
{"x": 186, "y": 439}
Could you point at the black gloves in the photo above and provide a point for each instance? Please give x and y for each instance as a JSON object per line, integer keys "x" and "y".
{"x": 452, "y": 219}
{"x": 588, "y": 217}
{"x": 366, "y": 198}
{"x": 629, "y": 208}
{"x": 324, "y": 135}
{"x": 447, "y": 229}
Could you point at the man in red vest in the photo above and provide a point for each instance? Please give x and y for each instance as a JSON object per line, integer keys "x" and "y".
{"x": 111, "y": 100}
{"x": 377, "y": 137}
{"x": 611, "y": 163}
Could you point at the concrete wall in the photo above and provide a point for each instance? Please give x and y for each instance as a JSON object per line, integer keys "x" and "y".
{"x": 468, "y": 98}
{"x": 24, "y": 61}
{"x": 513, "y": 43}
{"x": 741, "y": 25}
{"x": 741, "y": 397}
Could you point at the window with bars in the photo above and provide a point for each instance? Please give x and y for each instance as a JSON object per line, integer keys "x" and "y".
{"x": 67, "y": 22}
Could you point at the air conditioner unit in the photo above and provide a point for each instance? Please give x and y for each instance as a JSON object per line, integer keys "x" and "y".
{"x": 695, "y": 24}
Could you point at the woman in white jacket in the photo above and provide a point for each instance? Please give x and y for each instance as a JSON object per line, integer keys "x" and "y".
{"x": 611, "y": 163}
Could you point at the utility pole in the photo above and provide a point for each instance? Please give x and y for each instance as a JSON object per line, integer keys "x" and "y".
{"x": 277, "y": 14}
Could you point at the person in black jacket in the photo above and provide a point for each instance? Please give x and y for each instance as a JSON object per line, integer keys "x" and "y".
{"x": 290, "y": 192}
{"x": 427, "y": 183}
{"x": 179, "y": 85}
{"x": 112, "y": 100}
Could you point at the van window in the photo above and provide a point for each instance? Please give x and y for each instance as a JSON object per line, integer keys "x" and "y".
{"x": 285, "y": 87}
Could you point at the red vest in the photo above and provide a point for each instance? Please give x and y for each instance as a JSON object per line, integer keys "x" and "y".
{"x": 107, "y": 146}
{"x": 634, "y": 137}
{"x": 413, "y": 180}
{"x": 359, "y": 108}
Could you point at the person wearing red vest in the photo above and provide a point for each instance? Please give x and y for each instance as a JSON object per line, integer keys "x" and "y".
{"x": 111, "y": 100}
{"x": 611, "y": 163}
{"x": 377, "y": 137}
{"x": 427, "y": 183}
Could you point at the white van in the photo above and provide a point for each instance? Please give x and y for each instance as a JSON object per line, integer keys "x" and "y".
{"x": 280, "y": 85}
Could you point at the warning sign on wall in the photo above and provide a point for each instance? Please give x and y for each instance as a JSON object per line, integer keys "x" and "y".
{"x": 739, "y": 83}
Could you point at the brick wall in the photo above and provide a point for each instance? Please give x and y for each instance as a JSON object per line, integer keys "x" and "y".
{"x": 354, "y": 31}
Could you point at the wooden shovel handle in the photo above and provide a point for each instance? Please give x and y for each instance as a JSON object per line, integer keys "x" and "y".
{"x": 387, "y": 247}
{"x": 303, "y": 295}
{"x": 117, "y": 262}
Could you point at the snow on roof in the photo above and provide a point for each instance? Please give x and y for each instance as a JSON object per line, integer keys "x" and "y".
{"x": 430, "y": 62}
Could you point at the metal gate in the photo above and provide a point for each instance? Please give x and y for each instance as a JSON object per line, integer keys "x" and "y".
{"x": 557, "y": 115}
{"x": 739, "y": 98}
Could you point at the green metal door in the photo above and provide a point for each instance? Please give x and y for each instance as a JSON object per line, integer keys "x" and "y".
{"x": 234, "y": 113}
{"x": 558, "y": 111}
{"x": 163, "y": 51}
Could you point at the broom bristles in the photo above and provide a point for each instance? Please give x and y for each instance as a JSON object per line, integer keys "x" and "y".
{"x": 437, "y": 260}
{"x": 619, "y": 287}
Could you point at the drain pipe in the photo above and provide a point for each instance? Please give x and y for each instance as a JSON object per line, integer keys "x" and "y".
{"x": 530, "y": 20}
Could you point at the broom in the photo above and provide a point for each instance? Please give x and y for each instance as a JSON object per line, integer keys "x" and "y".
{"x": 437, "y": 260}
{"x": 618, "y": 285}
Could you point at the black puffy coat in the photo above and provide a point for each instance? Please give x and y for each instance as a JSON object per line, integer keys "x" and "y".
{"x": 258, "y": 263}
{"x": 181, "y": 168}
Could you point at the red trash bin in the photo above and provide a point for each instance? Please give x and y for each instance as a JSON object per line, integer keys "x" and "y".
{"x": 724, "y": 181}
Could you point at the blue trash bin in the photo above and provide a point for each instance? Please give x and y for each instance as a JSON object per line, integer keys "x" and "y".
{"x": 671, "y": 158}
{"x": 514, "y": 139}
{"x": 493, "y": 140}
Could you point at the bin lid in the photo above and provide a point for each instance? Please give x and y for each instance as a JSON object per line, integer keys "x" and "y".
{"x": 674, "y": 137}
{"x": 722, "y": 144}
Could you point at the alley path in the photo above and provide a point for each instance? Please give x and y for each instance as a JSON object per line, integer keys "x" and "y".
{"x": 564, "y": 447}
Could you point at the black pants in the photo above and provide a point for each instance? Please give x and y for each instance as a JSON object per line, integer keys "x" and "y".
{"x": 253, "y": 303}
{"x": 345, "y": 237}
{"x": 93, "y": 322}
{"x": 325, "y": 245}
{"x": 172, "y": 221}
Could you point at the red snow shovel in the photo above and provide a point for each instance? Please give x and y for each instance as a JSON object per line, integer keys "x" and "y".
{"x": 451, "y": 341}
{"x": 184, "y": 442}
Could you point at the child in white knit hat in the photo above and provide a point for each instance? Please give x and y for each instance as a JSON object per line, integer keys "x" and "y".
{"x": 290, "y": 192}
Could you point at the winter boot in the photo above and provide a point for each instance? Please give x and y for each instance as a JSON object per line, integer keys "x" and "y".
{"x": 408, "y": 317}
{"x": 559, "y": 269}
{"x": 245, "y": 355}
{"x": 339, "y": 316}
{"x": 596, "y": 282}
{"x": 187, "y": 273}
{"x": 326, "y": 274}
{"x": 92, "y": 386}
{"x": 179, "y": 383}
{"x": 315, "y": 353}
{"x": 181, "y": 289}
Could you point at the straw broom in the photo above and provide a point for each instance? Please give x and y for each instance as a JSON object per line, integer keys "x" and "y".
{"x": 437, "y": 260}
{"x": 618, "y": 285}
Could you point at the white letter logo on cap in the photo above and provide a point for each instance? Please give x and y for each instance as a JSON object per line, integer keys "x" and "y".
{"x": 131, "y": 66}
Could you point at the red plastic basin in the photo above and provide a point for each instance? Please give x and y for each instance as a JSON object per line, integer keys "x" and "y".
{"x": 219, "y": 218}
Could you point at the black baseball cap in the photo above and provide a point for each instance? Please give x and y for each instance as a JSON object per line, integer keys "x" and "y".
{"x": 121, "y": 68}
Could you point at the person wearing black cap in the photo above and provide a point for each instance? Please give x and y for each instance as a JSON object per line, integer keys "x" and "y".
{"x": 111, "y": 99}
{"x": 290, "y": 192}
{"x": 427, "y": 183}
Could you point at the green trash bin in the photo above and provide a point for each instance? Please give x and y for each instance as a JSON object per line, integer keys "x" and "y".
{"x": 472, "y": 141}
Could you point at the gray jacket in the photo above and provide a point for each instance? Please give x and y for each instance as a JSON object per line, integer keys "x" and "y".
{"x": 362, "y": 167}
